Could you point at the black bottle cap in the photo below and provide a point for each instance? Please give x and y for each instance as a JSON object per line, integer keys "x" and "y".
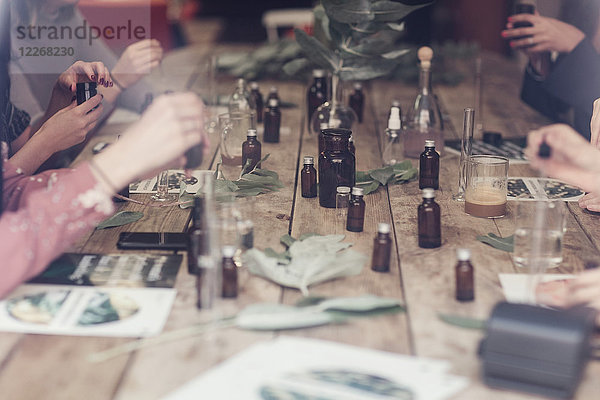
{"x": 544, "y": 151}
{"x": 524, "y": 8}
{"x": 337, "y": 132}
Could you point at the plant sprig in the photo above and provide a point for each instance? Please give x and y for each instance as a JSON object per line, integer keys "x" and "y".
{"x": 395, "y": 174}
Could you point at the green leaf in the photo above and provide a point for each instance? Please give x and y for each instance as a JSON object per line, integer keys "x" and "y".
{"x": 287, "y": 240}
{"x": 392, "y": 55}
{"x": 358, "y": 304}
{"x": 392, "y": 11}
{"x": 308, "y": 235}
{"x": 315, "y": 51}
{"x": 463, "y": 322}
{"x": 274, "y": 317}
{"x": 382, "y": 175}
{"x": 402, "y": 166}
{"x": 369, "y": 187}
{"x": 497, "y": 242}
{"x": 362, "y": 176}
{"x": 119, "y": 219}
{"x": 364, "y": 68}
{"x": 310, "y": 301}
{"x": 296, "y": 66}
{"x": 186, "y": 200}
{"x": 282, "y": 257}
{"x": 357, "y": 11}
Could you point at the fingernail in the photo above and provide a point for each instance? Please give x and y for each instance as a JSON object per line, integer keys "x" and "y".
{"x": 111, "y": 84}
{"x": 101, "y": 81}
{"x": 510, "y": 19}
{"x": 93, "y": 77}
{"x": 503, "y": 34}
{"x": 102, "y": 96}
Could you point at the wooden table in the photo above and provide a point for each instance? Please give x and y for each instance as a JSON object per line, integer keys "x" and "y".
{"x": 56, "y": 367}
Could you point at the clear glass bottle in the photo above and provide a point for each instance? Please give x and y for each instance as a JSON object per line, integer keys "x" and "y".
{"x": 230, "y": 274}
{"x": 356, "y": 211}
{"x": 321, "y": 138}
{"x": 393, "y": 150}
{"x": 466, "y": 148}
{"x": 465, "y": 289}
{"x": 337, "y": 166}
{"x": 356, "y": 101}
{"x": 272, "y": 122}
{"x": 395, "y": 103}
{"x": 240, "y": 100}
{"x": 424, "y": 121}
{"x": 251, "y": 150}
{"x": 429, "y": 167}
{"x": 429, "y": 221}
{"x": 258, "y": 100}
{"x": 195, "y": 237}
{"x": 317, "y": 92}
{"x": 308, "y": 178}
{"x": 342, "y": 199}
{"x": 382, "y": 249}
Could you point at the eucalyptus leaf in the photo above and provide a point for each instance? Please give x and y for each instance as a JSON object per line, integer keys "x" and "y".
{"x": 358, "y": 304}
{"x": 376, "y": 44}
{"x": 294, "y": 67}
{"x": 287, "y": 240}
{"x": 369, "y": 187}
{"x": 382, "y": 175}
{"x": 273, "y": 317}
{"x": 497, "y": 242}
{"x": 463, "y": 322}
{"x": 283, "y": 257}
{"x": 121, "y": 218}
{"x": 392, "y": 55}
{"x": 397, "y": 27}
{"x": 362, "y": 177}
{"x": 308, "y": 235}
{"x": 364, "y": 68}
{"x": 315, "y": 51}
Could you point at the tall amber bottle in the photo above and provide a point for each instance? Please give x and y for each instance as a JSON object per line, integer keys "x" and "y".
{"x": 429, "y": 167}
{"x": 337, "y": 166}
{"x": 251, "y": 150}
{"x": 196, "y": 236}
{"x": 464, "y": 276}
{"x": 429, "y": 220}
{"x": 258, "y": 100}
{"x": 230, "y": 274}
{"x": 382, "y": 249}
{"x": 272, "y": 122}
{"x": 356, "y": 211}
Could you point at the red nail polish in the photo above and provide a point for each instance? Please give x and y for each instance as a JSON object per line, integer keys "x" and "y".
{"x": 503, "y": 34}
{"x": 510, "y": 19}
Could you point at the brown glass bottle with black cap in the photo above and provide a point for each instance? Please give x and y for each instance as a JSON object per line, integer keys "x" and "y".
{"x": 251, "y": 151}
{"x": 357, "y": 101}
{"x": 429, "y": 167}
{"x": 464, "y": 276}
{"x": 272, "y": 122}
{"x": 308, "y": 178}
{"x": 230, "y": 274}
{"x": 382, "y": 249}
{"x": 317, "y": 92}
{"x": 337, "y": 165}
{"x": 356, "y": 211}
{"x": 429, "y": 221}
{"x": 258, "y": 100}
{"x": 196, "y": 237}
{"x": 273, "y": 94}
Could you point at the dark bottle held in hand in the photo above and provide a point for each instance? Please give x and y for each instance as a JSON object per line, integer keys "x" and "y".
{"x": 357, "y": 101}
{"x": 523, "y": 8}
{"x": 194, "y": 156}
{"x": 464, "y": 276}
{"x": 258, "y": 100}
{"x": 85, "y": 91}
{"x": 429, "y": 219}
{"x": 196, "y": 244}
{"x": 356, "y": 211}
{"x": 308, "y": 178}
{"x": 429, "y": 167}
{"x": 251, "y": 150}
{"x": 317, "y": 92}
{"x": 382, "y": 249}
{"x": 230, "y": 275}
{"x": 272, "y": 122}
{"x": 337, "y": 166}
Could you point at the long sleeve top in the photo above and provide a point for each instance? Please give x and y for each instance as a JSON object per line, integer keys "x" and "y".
{"x": 573, "y": 83}
{"x": 43, "y": 215}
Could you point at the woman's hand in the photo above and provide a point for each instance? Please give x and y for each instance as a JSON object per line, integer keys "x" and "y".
{"x": 137, "y": 60}
{"x": 573, "y": 159}
{"x": 591, "y": 202}
{"x": 546, "y": 34}
{"x": 170, "y": 126}
{"x": 595, "y": 125}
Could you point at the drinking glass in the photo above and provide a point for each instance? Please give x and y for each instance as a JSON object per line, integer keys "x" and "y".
{"x": 234, "y": 129}
{"x": 539, "y": 229}
{"x": 342, "y": 199}
{"x": 162, "y": 187}
{"x": 486, "y": 189}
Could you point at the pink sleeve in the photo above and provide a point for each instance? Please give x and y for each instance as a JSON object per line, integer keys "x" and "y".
{"x": 44, "y": 217}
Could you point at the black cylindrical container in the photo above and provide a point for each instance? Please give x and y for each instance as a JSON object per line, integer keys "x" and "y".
{"x": 85, "y": 91}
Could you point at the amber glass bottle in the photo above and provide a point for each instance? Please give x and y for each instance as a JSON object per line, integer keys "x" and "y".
{"x": 382, "y": 249}
{"x": 195, "y": 236}
{"x": 337, "y": 166}
{"x": 357, "y": 101}
{"x": 430, "y": 232}
{"x": 272, "y": 122}
{"x": 230, "y": 275}
{"x": 251, "y": 150}
{"x": 429, "y": 167}
{"x": 308, "y": 178}
{"x": 356, "y": 211}
{"x": 273, "y": 94}
{"x": 258, "y": 100}
{"x": 464, "y": 276}
{"x": 317, "y": 92}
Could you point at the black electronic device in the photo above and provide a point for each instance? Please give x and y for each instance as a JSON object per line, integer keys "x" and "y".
{"x": 152, "y": 241}
{"x": 537, "y": 350}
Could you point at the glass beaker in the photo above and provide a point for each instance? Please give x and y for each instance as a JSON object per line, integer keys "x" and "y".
{"x": 485, "y": 194}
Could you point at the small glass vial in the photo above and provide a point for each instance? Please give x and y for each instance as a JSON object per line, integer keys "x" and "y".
{"x": 382, "y": 249}
{"x": 351, "y": 146}
{"x": 342, "y": 199}
{"x": 273, "y": 94}
{"x": 356, "y": 211}
{"x": 357, "y": 100}
{"x": 240, "y": 100}
{"x": 393, "y": 147}
{"x": 272, "y": 122}
{"x": 230, "y": 275}
{"x": 258, "y": 100}
{"x": 464, "y": 276}
{"x": 317, "y": 92}
{"x": 251, "y": 150}
{"x": 429, "y": 167}
{"x": 337, "y": 166}
{"x": 308, "y": 178}
{"x": 430, "y": 231}
{"x": 195, "y": 237}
